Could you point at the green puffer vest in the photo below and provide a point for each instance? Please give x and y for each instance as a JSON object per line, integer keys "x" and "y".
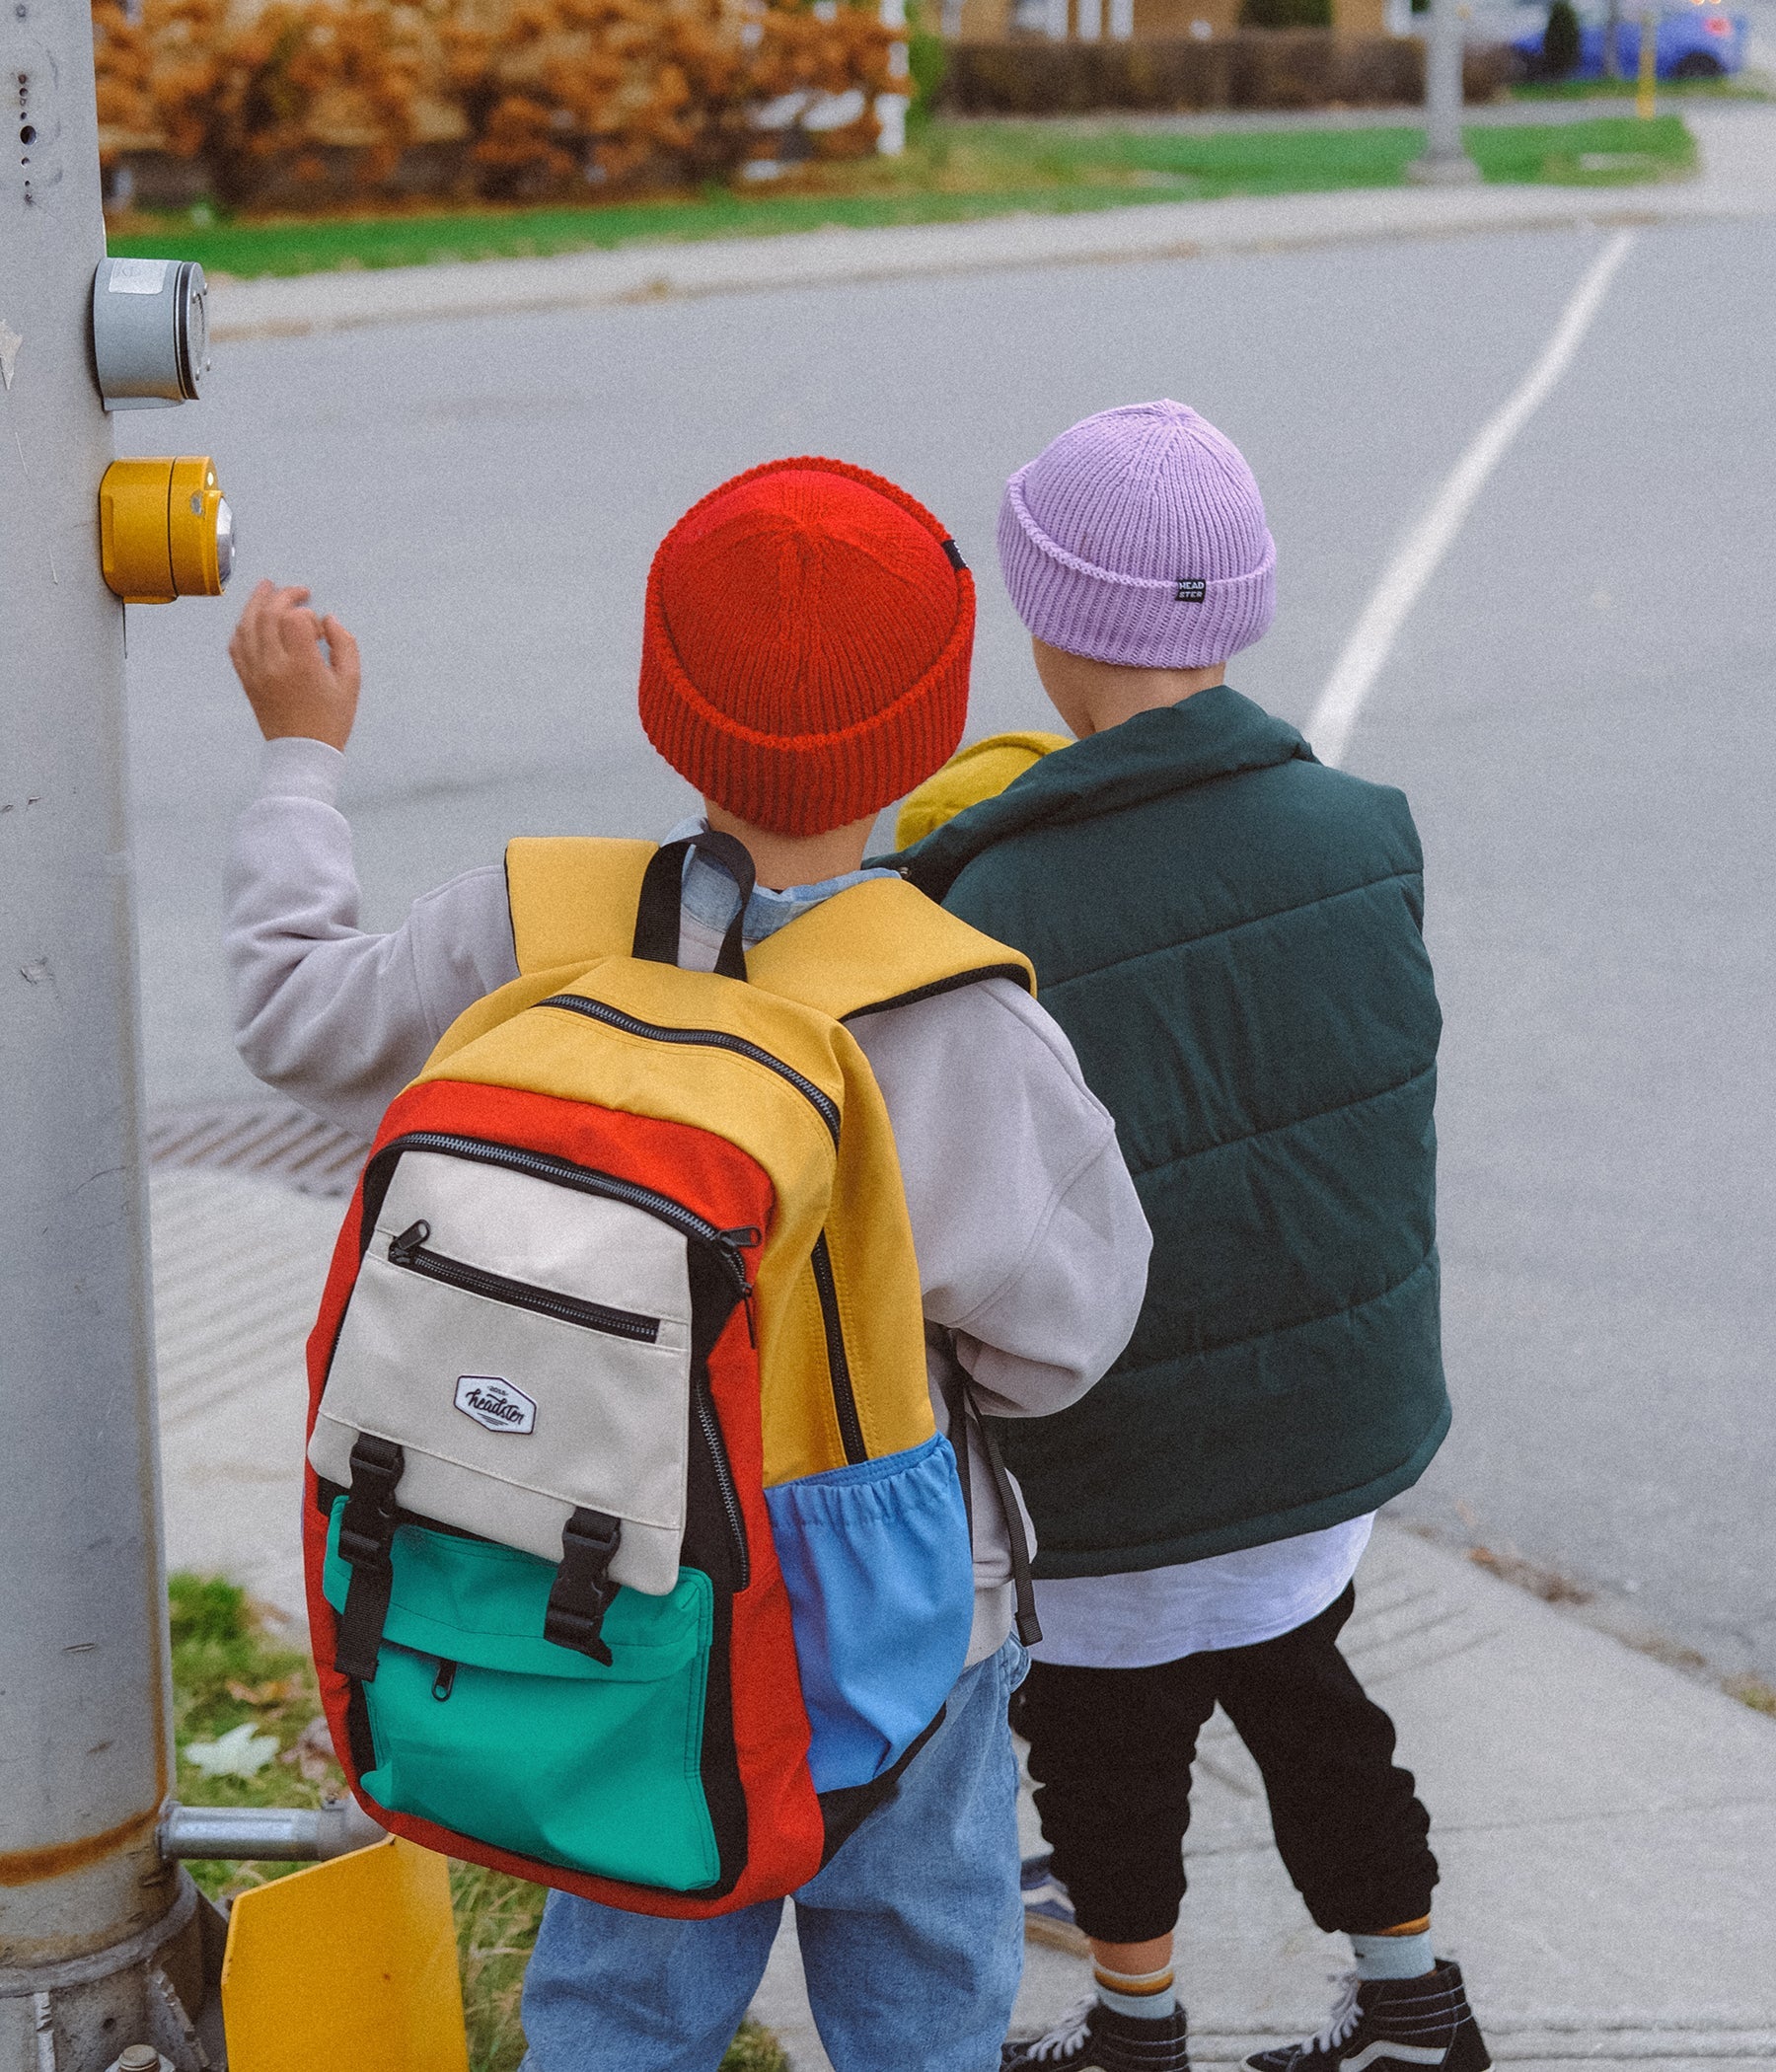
{"x": 1230, "y": 935}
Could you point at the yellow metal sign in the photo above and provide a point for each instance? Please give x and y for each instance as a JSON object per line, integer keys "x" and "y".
{"x": 350, "y": 1963}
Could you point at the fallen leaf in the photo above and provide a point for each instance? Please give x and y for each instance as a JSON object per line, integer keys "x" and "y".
{"x": 312, "y": 1753}
{"x": 240, "y": 1753}
{"x": 278, "y": 1693}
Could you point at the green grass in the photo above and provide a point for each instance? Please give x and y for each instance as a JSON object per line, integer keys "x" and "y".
{"x": 1608, "y": 150}
{"x": 1742, "y": 86}
{"x": 226, "y": 1671}
{"x": 954, "y": 172}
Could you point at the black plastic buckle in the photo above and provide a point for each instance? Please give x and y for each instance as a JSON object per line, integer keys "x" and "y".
{"x": 583, "y": 1591}
{"x": 367, "y": 1530}
{"x": 366, "y": 1543}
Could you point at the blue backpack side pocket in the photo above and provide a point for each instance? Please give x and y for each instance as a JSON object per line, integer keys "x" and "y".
{"x": 880, "y": 1576}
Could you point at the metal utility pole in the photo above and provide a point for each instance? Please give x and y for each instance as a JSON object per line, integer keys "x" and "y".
{"x": 99, "y": 1937}
{"x": 1445, "y": 162}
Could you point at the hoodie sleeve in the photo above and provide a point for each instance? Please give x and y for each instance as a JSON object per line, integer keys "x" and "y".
{"x": 339, "y": 1018}
{"x": 1033, "y": 1245}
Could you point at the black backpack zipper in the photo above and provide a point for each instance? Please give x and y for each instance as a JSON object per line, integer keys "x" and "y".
{"x": 845, "y": 1398}
{"x": 585, "y": 1179}
{"x": 702, "y": 1403}
{"x": 410, "y": 1250}
{"x": 709, "y": 1039}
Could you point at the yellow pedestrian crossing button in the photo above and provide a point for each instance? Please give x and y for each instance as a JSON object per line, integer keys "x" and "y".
{"x": 165, "y": 529}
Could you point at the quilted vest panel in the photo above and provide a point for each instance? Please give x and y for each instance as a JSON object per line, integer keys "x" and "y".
{"x": 1230, "y": 935}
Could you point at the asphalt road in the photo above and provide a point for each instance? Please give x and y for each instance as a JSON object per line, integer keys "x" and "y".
{"x": 1580, "y": 707}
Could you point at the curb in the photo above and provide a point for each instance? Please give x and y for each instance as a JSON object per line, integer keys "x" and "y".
{"x": 1189, "y": 230}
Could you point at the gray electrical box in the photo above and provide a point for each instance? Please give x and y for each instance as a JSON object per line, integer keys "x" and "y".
{"x": 150, "y": 333}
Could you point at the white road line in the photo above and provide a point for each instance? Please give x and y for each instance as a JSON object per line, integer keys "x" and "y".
{"x": 1394, "y": 596}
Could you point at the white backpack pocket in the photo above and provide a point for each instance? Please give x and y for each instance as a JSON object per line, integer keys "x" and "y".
{"x": 528, "y": 1347}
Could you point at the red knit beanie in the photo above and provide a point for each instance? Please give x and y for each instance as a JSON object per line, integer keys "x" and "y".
{"x": 805, "y": 656}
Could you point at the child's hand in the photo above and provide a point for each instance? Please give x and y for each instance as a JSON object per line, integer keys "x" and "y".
{"x": 292, "y": 683}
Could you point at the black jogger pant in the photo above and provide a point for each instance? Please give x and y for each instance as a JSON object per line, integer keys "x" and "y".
{"x": 1111, "y": 1751}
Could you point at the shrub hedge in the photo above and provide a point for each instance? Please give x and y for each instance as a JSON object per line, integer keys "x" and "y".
{"x": 1254, "y": 68}
{"x": 509, "y": 100}
{"x": 1286, "y": 14}
{"x": 1559, "y": 41}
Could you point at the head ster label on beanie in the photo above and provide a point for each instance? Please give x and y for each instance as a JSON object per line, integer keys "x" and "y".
{"x": 1191, "y": 590}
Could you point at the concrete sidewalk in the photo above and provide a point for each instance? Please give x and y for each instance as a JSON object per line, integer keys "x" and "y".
{"x": 1606, "y": 1831}
{"x": 1738, "y": 145}
{"x": 1606, "y": 1827}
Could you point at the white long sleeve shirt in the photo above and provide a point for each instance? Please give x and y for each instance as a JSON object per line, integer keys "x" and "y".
{"x": 1032, "y": 1247}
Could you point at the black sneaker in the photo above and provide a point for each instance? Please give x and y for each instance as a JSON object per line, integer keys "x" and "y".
{"x": 1390, "y": 2025}
{"x": 1048, "y": 1914}
{"x": 1093, "y": 2037}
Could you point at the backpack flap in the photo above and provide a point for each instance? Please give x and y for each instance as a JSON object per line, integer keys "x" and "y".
{"x": 476, "y": 1722}
{"x": 528, "y": 1347}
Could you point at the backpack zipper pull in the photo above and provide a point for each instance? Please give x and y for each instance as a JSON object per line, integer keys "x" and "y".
{"x": 734, "y": 1242}
{"x": 444, "y": 1682}
{"x": 403, "y": 1248}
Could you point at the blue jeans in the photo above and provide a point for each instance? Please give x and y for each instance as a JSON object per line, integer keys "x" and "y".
{"x": 912, "y": 1938}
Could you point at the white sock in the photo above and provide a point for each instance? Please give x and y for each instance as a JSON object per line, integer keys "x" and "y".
{"x": 1393, "y": 1955}
{"x": 1144, "y": 1996}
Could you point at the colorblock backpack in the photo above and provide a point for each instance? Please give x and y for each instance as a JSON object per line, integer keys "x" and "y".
{"x": 636, "y": 1563}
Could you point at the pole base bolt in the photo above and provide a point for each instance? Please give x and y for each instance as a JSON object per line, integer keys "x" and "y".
{"x": 140, "y": 2057}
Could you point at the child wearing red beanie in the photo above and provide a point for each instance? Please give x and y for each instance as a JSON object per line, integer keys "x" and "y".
{"x": 805, "y": 658}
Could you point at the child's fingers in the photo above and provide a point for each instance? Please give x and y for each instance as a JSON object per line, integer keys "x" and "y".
{"x": 298, "y": 632}
{"x": 342, "y": 647}
{"x": 247, "y": 647}
{"x": 244, "y": 649}
{"x": 253, "y": 611}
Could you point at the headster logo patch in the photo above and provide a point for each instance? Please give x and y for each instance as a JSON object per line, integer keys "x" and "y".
{"x": 495, "y": 1403}
{"x": 1191, "y": 590}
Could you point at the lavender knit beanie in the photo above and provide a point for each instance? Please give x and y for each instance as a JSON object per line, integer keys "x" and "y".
{"x": 1139, "y": 538}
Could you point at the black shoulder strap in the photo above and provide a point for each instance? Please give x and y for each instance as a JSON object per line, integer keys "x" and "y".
{"x": 959, "y": 1400}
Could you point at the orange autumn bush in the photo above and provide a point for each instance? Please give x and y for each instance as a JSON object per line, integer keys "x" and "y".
{"x": 270, "y": 88}
{"x": 829, "y": 51}
{"x": 543, "y": 97}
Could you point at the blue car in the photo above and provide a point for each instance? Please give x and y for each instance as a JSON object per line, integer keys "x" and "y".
{"x": 1696, "y": 41}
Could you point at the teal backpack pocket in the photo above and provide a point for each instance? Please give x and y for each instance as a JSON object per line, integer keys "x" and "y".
{"x": 880, "y": 1576}
{"x": 482, "y": 1726}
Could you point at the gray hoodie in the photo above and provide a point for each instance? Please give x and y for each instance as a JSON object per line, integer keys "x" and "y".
{"x": 1032, "y": 1247}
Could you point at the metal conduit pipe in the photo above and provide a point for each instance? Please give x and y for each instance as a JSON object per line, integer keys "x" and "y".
{"x": 267, "y": 1833}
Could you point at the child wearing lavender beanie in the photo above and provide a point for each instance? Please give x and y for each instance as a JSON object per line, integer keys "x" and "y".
{"x": 1231, "y": 933}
